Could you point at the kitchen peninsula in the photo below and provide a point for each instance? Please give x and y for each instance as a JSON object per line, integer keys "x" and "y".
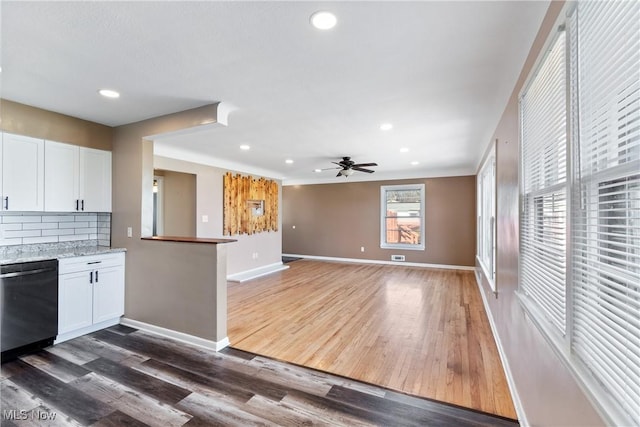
{"x": 191, "y": 308}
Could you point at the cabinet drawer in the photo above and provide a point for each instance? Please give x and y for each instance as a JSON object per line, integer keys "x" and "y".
{"x": 90, "y": 262}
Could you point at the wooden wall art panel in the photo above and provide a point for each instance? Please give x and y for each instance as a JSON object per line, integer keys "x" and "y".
{"x": 250, "y": 205}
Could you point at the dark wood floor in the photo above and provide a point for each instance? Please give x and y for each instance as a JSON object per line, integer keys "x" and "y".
{"x": 124, "y": 377}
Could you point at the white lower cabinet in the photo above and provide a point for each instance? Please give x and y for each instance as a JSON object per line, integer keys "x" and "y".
{"x": 91, "y": 294}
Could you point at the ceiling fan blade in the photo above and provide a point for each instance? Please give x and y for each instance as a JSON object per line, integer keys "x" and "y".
{"x": 326, "y": 169}
{"x": 348, "y": 166}
{"x": 362, "y": 170}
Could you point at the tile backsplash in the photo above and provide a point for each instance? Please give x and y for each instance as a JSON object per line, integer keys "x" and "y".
{"x": 24, "y": 228}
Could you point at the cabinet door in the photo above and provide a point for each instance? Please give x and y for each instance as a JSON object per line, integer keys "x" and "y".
{"x": 108, "y": 294}
{"x": 61, "y": 175}
{"x": 1, "y": 169}
{"x": 22, "y": 173}
{"x": 95, "y": 180}
{"x": 75, "y": 301}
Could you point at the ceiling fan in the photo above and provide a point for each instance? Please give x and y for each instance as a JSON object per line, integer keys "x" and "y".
{"x": 348, "y": 166}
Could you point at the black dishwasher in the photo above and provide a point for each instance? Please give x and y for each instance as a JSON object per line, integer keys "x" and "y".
{"x": 29, "y": 304}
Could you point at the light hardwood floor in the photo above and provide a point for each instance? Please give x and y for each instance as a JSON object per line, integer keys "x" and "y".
{"x": 415, "y": 330}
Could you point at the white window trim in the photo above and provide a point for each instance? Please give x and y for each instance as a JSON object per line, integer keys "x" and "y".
{"x": 488, "y": 270}
{"x": 383, "y": 213}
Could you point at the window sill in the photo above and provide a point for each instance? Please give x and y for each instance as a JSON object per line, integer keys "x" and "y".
{"x": 404, "y": 247}
{"x": 485, "y": 273}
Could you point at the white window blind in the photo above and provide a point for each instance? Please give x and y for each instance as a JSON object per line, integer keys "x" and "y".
{"x": 606, "y": 216}
{"x": 544, "y": 186}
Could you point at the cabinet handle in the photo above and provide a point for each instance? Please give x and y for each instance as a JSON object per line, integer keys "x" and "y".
{"x": 77, "y": 204}
{"x": 83, "y": 205}
{"x": 6, "y": 203}
{"x": 96, "y": 276}
{"x": 91, "y": 277}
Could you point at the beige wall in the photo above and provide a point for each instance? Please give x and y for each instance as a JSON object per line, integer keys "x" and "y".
{"x": 335, "y": 220}
{"x": 209, "y": 202}
{"x": 178, "y": 203}
{"x": 171, "y": 285}
{"x": 30, "y": 121}
{"x": 547, "y": 391}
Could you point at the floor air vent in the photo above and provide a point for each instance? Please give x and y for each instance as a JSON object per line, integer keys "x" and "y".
{"x": 397, "y": 257}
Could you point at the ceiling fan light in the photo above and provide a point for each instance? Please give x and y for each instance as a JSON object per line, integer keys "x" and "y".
{"x": 346, "y": 172}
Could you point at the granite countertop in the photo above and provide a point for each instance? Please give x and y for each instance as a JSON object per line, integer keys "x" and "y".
{"x": 52, "y": 252}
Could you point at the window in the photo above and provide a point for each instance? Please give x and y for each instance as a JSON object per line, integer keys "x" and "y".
{"x": 580, "y": 223}
{"x": 402, "y": 216}
{"x": 486, "y": 218}
{"x": 606, "y": 223}
{"x": 543, "y": 107}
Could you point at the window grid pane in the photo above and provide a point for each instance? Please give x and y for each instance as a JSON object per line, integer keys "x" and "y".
{"x": 403, "y": 217}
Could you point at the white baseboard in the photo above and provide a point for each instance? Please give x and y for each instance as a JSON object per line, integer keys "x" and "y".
{"x": 178, "y": 336}
{"x": 517, "y": 403}
{"x": 243, "y": 276}
{"x": 376, "y": 261}
{"x": 84, "y": 331}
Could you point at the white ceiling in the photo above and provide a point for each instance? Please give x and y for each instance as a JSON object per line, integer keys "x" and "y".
{"x": 441, "y": 72}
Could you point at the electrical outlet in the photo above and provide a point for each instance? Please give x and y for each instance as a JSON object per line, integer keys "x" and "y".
{"x": 205, "y": 218}
{"x": 129, "y": 232}
{"x": 361, "y": 248}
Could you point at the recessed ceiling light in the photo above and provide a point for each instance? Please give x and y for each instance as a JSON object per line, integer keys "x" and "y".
{"x": 323, "y": 20}
{"x": 386, "y": 126}
{"x": 108, "y": 93}
{"x": 415, "y": 163}
{"x": 404, "y": 150}
{"x": 317, "y": 170}
{"x": 288, "y": 161}
{"x": 245, "y": 147}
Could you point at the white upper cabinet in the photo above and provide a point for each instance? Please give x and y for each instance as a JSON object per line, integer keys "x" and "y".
{"x": 1, "y": 172}
{"x": 78, "y": 179}
{"x": 22, "y": 173}
{"x": 61, "y": 171}
{"x": 95, "y": 180}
